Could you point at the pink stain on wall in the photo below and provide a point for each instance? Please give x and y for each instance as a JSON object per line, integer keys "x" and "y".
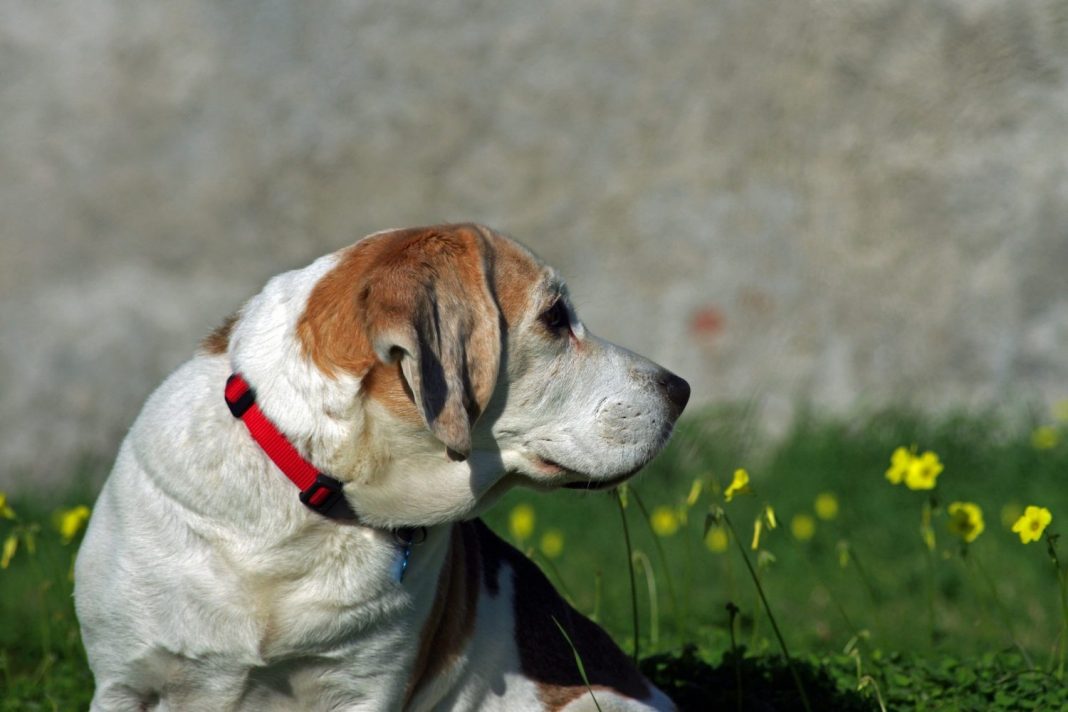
{"x": 707, "y": 321}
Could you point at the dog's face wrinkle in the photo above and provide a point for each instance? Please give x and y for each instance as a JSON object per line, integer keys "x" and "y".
{"x": 562, "y": 373}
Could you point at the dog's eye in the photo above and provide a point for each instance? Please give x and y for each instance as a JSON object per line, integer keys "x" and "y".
{"x": 555, "y": 317}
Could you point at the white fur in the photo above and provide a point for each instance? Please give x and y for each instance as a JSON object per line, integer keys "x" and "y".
{"x": 204, "y": 584}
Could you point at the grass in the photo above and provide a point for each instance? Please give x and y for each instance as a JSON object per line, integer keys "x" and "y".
{"x": 822, "y": 605}
{"x": 863, "y": 603}
{"x": 42, "y": 663}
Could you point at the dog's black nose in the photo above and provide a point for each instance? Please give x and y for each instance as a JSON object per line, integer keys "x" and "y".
{"x": 677, "y": 390}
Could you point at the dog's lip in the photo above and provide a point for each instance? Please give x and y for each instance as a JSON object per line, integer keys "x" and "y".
{"x": 583, "y": 482}
{"x": 547, "y": 466}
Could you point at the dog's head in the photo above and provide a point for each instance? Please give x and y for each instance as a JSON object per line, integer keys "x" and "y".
{"x": 451, "y": 365}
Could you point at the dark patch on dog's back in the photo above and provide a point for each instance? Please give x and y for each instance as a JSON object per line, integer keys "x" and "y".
{"x": 544, "y": 655}
{"x": 492, "y": 548}
{"x": 452, "y": 617}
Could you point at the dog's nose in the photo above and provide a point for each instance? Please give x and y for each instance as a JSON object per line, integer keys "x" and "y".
{"x": 677, "y": 390}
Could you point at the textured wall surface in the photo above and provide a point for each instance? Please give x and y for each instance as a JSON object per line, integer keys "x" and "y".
{"x": 840, "y": 203}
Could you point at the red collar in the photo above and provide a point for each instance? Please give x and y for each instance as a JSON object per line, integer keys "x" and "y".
{"x": 318, "y": 491}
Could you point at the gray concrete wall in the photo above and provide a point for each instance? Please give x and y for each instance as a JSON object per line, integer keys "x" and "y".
{"x": 843, "y": 203}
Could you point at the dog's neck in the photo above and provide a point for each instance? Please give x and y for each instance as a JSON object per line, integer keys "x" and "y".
{"x": 317, "y": 412}
{"x": 343, "y": 433}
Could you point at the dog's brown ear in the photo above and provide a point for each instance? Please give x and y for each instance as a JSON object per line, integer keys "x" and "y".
{"x": 429, "y": 305}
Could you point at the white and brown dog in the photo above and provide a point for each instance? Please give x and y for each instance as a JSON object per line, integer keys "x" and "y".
{"x": 427, "y": 371}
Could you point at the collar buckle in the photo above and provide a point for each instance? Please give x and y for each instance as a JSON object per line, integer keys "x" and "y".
{"x": 325, "y": 497}
{"x": 239, "y": 396}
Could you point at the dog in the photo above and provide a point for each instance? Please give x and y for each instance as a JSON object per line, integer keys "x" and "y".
{"x": 291, "y": 522}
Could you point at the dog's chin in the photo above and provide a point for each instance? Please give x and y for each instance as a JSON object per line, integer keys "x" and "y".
{"x": 552, "y": 475}
{"x": 604, "y": 484}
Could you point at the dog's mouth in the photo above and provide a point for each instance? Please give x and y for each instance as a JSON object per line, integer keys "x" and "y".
{"x": 547, "y": 466}
{"x": 555, "y": 469}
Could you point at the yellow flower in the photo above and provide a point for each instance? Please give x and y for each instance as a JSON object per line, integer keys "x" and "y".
{"x": 1033, "y": 522}
{"x": 664, "y": 521}
{"x": 965, "y": 520}
{"x": 1045, "y": 437}
{"x": 739, "y": 485}
{"x": 769, "y": 517}
{"x": 803, "y": 527}
{"x": 5, "y": 511}
{"x": 717, "y": 539}
{"x": 899, "y": 465}
{"x": 71, "y": 521}
{"x": 11, "y": 545}
{"x": 521, "y": 522}
{"x": 923, "y": 471}
{"x": 766, "y": 516}
{"x": 826, "y": 506}
{"x": 552, "y": 543}
{"x": 917, "y": 472}
{"x": 695, "y": 492}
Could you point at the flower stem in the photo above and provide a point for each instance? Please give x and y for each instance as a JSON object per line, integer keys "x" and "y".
{"x": 1000, "y": 605}
{"x": 630, "y": 568}
{"x": 771, "y": 617}
{"x": 1064, "y": 623}
{"x": 1062, "y": 578}
{"x": 929, "y": 544}
{"x": 850, "y": 555}
{"x": 650, "y": 581}
{"x": 663, "y": 560}
{"x": 732, "y": 613}
{"x": 862, "y": 572}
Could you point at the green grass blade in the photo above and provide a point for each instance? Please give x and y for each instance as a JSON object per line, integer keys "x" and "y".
{"x": 578, "y": 661}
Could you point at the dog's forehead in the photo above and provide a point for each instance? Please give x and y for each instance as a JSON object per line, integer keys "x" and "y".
{"x": 522, "y": 281}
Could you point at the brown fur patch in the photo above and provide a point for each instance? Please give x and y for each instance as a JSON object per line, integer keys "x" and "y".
{"x": 420, "y": 287}
{"x": 218, "y": 341}
{"x": 328, "y": 328}
{"x": 347, "y": 303}
{"x": 544, "y": 655}
{"x": 452, "y": 617}
{"x": 515, "y": 272}
{"x": 331, "y": 329}
{"x": 432, "y": 297}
